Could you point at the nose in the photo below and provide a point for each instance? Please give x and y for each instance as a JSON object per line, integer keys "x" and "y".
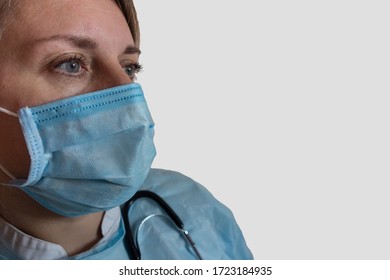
{"x": 110, "y": 75}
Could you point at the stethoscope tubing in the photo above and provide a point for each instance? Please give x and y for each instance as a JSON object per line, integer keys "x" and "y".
{"x": 136, "y": 254}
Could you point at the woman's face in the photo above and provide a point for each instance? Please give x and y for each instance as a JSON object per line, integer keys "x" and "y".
{"x": 52, "y": 49}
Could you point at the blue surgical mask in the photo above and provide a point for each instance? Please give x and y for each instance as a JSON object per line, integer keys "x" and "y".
{"x": 89, "y": 152}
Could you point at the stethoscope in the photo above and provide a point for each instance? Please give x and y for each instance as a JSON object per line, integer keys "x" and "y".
{"x": 173, "y": 217}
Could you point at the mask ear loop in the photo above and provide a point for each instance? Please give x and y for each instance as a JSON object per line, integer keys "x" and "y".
{"x": 5, "y": 111}
{"x": 6, "y": 172}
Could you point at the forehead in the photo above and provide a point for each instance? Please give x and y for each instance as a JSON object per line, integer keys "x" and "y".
{"x": 96, "y": 18}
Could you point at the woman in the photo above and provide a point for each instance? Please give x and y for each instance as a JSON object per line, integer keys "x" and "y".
{"x": 77, "y": 143}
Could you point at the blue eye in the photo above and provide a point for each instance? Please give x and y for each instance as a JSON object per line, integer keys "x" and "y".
{"x": 70, "y": 67}
{"x": 132, "y": 70}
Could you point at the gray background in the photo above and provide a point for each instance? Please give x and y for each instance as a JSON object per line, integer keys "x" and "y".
{"x": 281, "y": 109}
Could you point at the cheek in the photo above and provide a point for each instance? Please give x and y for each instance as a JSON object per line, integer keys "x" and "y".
{"x": 20, "y": 88}
{"x": 13, "y": 151}
{"x": 8, "y": 81}
{"x": 15, "y": 84}
{"x": 16, "y": 91}
{"x": 25, "y": 84}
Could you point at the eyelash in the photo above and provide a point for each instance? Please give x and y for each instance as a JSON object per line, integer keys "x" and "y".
{"x": 135, "y": 67}
{"x": 74, "y": 57}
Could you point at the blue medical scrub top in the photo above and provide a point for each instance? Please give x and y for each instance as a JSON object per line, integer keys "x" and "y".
{"x": 211, "y": 225}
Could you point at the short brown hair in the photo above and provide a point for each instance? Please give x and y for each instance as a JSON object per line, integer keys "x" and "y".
{"x": 6, "y": 7}
{"x": 128, "y": 10}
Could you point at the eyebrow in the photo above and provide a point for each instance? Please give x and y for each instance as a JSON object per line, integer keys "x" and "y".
{"x": 82, "y": 43}
{"x": 132, "y": 50}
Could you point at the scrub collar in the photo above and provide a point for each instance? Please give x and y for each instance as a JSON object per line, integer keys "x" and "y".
{"x": 27, "y": 247}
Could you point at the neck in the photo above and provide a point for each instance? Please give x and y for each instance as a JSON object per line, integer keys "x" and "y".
{"x": 75, "y": 235}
